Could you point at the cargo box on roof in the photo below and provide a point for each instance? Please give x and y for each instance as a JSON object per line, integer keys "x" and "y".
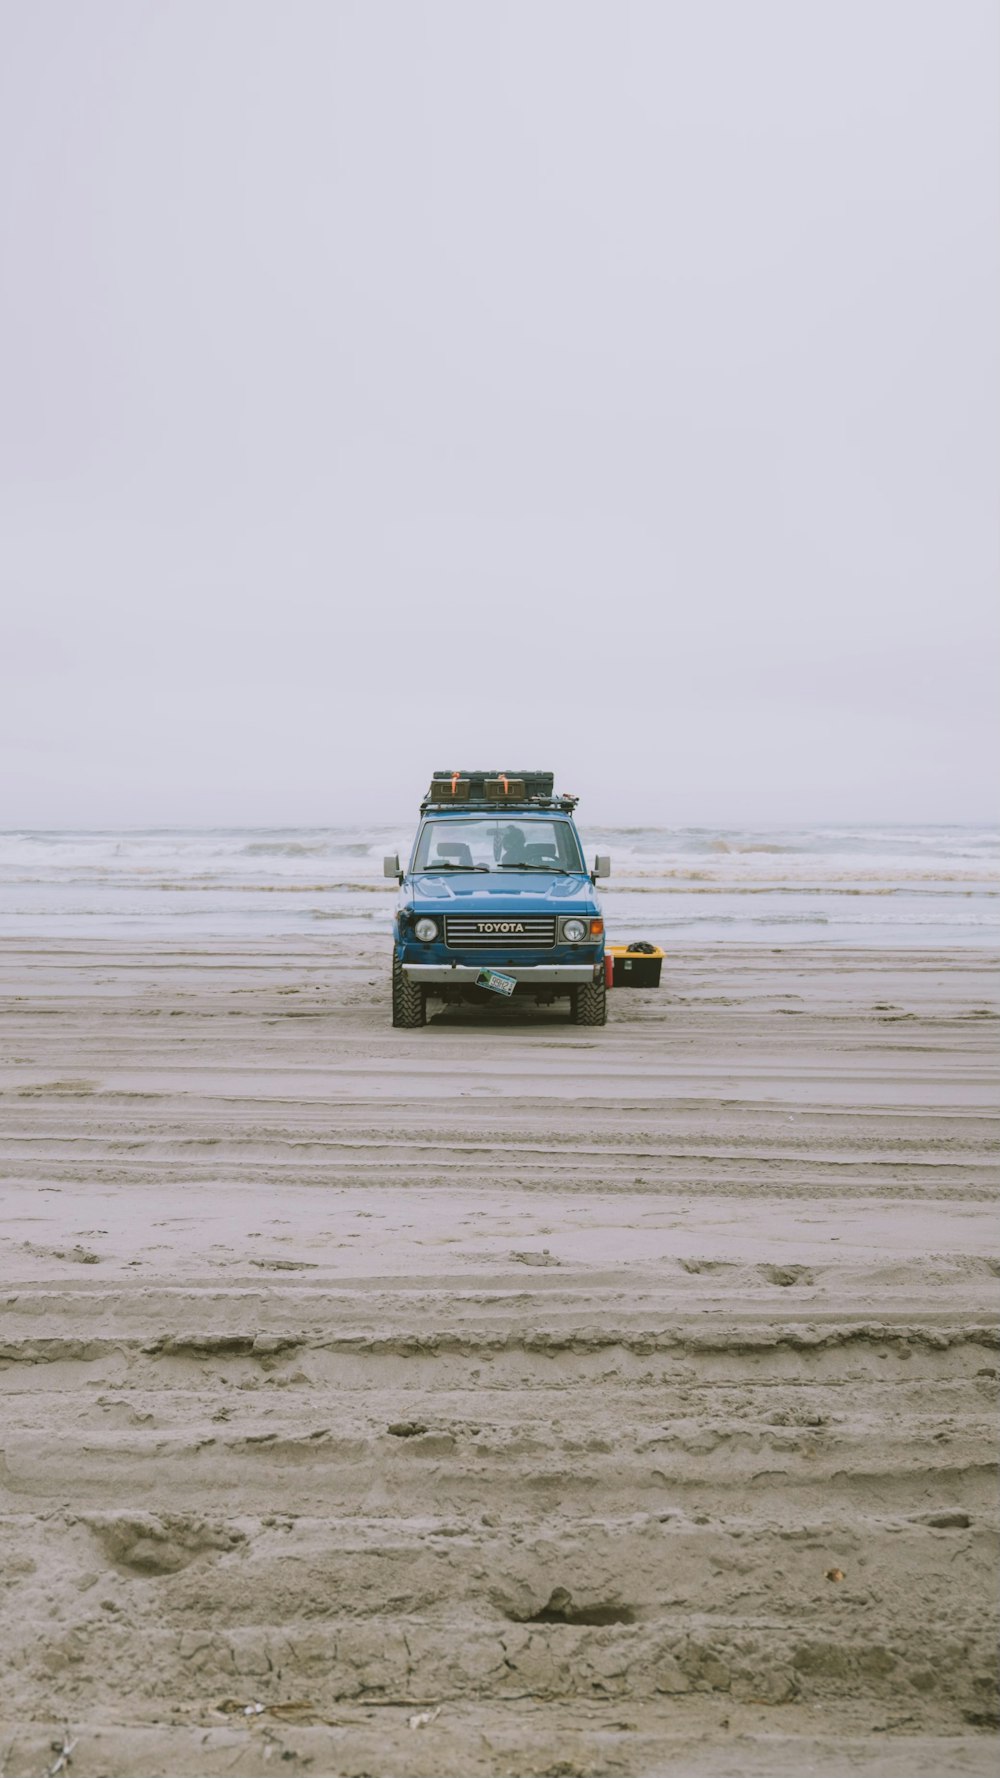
{"x": 495, "y": 786}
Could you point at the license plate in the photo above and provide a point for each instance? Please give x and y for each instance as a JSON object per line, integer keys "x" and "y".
{"x": 497, "y": 983}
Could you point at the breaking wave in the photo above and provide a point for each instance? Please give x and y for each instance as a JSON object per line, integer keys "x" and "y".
{"x": 836, "y": 884}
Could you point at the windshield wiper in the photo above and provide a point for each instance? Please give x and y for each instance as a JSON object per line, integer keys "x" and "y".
{"x": 551, "y": 870}
{"x": 431, "y": 870}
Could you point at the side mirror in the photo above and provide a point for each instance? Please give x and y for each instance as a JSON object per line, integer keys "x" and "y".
{"x": 390, "y": 866}
{"x": 602, "y": 866}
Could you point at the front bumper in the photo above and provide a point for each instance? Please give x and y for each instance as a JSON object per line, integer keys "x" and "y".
{"x": 542, "y": 975}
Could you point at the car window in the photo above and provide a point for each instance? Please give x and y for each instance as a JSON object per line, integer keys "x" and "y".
{"x": 497, "y": 845}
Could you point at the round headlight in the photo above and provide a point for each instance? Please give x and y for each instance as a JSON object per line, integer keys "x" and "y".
{"x": 574, "y": 930}
{"x": 426, "y": 931}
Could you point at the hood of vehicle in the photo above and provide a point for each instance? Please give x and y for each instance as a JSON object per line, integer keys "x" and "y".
{"x": 480, "y": 893}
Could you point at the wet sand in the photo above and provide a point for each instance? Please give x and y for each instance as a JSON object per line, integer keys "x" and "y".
{"x": 501, "y": 1397}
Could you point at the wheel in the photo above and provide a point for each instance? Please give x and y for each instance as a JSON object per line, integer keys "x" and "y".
{"x": 590, "y": 1004}
{"x": 409, "y": 1001}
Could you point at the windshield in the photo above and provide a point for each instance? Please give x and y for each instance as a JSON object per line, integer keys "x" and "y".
{"x": 498, "y": 845}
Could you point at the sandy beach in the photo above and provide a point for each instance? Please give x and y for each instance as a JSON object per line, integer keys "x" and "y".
{"x": 502, "y": 1397}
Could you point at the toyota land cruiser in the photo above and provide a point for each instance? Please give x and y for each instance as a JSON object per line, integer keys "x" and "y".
{"x": 496, "y": 899}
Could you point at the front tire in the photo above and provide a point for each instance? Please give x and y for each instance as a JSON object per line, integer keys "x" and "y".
{"x": 409, "y": 1000}
{"x": 590, "y": 1004}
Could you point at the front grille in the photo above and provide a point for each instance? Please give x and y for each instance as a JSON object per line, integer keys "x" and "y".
{"x": 506, "y": 932}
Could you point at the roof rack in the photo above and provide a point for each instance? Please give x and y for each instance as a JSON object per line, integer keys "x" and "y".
{"x": 479, "y": 805}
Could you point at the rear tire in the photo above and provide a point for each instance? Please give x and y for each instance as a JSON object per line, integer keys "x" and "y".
{"x": 409, "y": 1000}
{"x": 590, "y": 1004}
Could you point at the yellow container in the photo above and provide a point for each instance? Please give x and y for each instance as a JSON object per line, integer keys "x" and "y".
{"x": 635, "y": 969}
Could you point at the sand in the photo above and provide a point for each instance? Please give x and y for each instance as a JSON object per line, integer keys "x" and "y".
{"x": 502, "y": 1397}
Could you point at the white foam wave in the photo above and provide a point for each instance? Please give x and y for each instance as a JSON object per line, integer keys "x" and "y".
{"x": 856, "y": 884}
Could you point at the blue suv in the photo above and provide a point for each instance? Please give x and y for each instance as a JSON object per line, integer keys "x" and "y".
{"x": 497, "y": 900}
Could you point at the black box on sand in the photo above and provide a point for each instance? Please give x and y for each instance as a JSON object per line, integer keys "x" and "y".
{"x": 636, "y": 969}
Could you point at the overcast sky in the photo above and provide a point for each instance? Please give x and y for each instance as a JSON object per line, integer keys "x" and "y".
{"x": 395, "y": 385}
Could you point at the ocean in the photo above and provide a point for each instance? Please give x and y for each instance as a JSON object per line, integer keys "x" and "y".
{"x": 834, "y": 885}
